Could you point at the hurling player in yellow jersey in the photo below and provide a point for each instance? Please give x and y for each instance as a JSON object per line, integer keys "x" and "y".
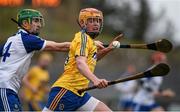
{"x": 79, "y": 68}
{"x": 36, "y": 83}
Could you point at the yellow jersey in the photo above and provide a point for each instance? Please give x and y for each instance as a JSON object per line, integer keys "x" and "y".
{"x": 38, "y": 78}
{"x": 72, "y": 79}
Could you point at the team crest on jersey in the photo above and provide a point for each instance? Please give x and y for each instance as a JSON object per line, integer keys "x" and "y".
{"x": 61, "y": 106}
{"x": 94, "y": 56}
{"x": 16, "y": 108}
{"x": 66, "y": 61}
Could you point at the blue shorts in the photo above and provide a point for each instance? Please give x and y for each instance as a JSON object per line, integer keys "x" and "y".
{"x": 61, "y": 99}
{"x": 138, "y": 107}
{"x": 9, "y": 100}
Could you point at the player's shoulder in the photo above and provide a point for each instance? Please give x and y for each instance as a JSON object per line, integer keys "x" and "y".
{"x": 82, "y": 36}
{"x": 14, "y": 37}
{"x": 30, "y": 37}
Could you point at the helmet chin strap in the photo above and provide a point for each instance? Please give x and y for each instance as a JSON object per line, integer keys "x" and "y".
{"x": 93, "y": 35}
{"x": 28, "y": 28}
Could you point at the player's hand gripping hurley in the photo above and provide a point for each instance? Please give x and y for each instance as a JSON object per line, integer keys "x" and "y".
{"x": 158, "y": 70}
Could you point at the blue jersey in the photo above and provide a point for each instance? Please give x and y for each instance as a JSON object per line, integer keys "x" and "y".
{"x": 15, "y": 58}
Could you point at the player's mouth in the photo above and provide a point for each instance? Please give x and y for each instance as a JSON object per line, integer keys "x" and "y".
{"x": 96, "y": 29}
{"x": 38, "y": 29}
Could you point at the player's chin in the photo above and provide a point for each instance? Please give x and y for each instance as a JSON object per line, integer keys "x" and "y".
{"x": 94, "y": 29}
{"x": 38, "y": 30}
{"x": 36, "y": 33}
{"x": 95, "y": 32}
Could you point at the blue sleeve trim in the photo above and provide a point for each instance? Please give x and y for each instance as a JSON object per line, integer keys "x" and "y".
{"x": 32, "y": 42}
{"x": 1, "y": 49}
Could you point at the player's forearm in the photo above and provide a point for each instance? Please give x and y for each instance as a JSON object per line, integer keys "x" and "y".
{"x": 103, "y": 52}
{"x": 64, "y": 46}
{"x": 54, "y": 46}
{"x": 84, "y": 70}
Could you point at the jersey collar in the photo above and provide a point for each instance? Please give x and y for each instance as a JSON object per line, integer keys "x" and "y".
{"x": 21, "y": 30}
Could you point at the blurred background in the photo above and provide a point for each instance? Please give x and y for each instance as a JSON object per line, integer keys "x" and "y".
{"x": 141, "y": 21}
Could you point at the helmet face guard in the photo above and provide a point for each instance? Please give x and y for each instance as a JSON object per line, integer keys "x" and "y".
{"x": 90, "y": 13}
{"x": 39, "y": 19}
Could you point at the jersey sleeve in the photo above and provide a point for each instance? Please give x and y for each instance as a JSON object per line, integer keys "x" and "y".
{"x": 32, "y": 42}
{"x": 82, "y": 47}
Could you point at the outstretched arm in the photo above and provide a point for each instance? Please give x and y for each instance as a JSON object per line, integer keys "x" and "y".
{"x": 54, "y": 46}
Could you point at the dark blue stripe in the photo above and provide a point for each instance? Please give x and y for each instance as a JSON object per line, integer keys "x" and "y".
{"x": 31, "y": 42}
{"x": 1, "y": 50}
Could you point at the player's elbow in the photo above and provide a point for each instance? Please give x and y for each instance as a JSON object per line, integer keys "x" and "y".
{"x": 54, "y": 46}
{"x": 80, "y": 62}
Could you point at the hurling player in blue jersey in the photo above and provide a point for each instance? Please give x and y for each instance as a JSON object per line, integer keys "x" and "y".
{"x": 16, "y": 53}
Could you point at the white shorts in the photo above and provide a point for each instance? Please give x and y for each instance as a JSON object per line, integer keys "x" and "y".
{"x": 90, "y": 105}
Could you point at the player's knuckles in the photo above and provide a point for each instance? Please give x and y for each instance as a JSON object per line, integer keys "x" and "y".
{"x": 104, "y": 83}
{"x": 99, "y": 86}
